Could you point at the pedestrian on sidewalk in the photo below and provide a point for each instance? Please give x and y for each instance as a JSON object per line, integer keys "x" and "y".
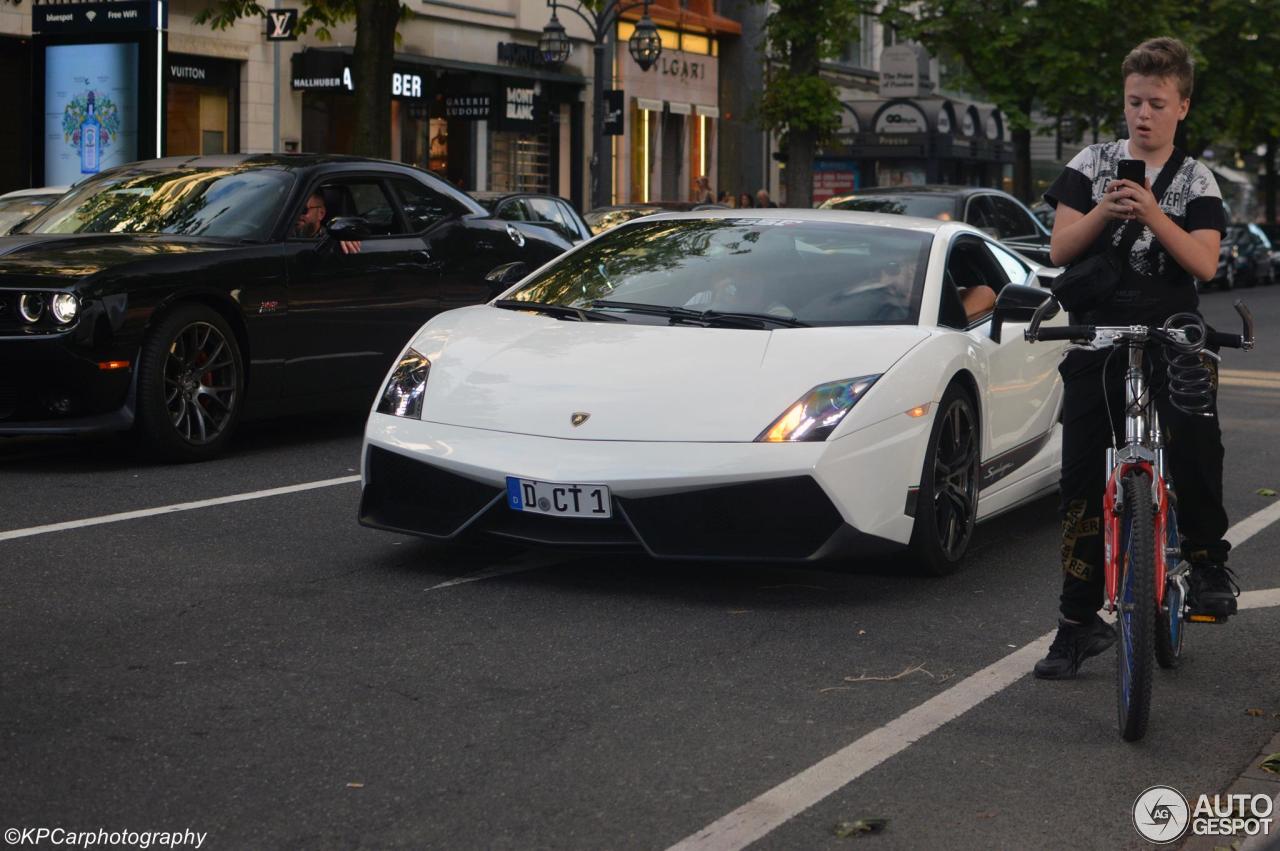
{"x": 702, "y": 193}
{"x": 744, "y": 201}
{"x": 763, "y": 200}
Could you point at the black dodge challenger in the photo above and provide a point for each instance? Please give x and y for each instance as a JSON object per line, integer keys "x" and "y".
{"x": 177, "y": 296}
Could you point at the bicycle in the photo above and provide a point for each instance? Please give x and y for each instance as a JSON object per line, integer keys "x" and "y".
{"x": 1140, "y": 528}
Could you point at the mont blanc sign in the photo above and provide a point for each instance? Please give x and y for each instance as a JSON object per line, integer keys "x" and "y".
{"x": 904, "y": 72}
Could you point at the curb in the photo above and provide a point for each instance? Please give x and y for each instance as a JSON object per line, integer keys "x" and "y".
{"x": 1253, "y": 781}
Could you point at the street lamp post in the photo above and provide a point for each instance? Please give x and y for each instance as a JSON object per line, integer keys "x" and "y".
{"x": 645, "y": 46}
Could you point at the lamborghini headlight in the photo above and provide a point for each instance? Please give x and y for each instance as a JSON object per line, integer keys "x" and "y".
{"x": 402, "y": 397}
{"x": 818, "y": 412}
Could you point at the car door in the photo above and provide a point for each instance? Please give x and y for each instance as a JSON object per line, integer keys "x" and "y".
{"x": 349, "y": 314}
{"x": 1019, "y": 229}
{"x": 1023, "y": 390}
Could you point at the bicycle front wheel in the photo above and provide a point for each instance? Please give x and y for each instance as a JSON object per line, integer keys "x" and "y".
{"x": 1136, "y": 621}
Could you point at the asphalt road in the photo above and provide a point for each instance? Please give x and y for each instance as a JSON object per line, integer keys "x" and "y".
{"x": 271, "y": 673}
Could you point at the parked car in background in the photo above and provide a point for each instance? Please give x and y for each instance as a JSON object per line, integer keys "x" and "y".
{"x": 21, "y": 205}
{"x": 1244, "y": 258}
{"x": 1045, "y": 213}
{"x": 179, "y": 295}
{"x": 1273, "y": 252}
{"x": 996, "y": 213}
{"x": 547, "y": 210}
{"x": 602, "y": 219}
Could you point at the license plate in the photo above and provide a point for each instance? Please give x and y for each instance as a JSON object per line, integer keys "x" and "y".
{"x": 558, "y": 499}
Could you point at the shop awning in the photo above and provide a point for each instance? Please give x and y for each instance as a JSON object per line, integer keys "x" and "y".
{"x": 1230, "y": 174}
{"x": 708, "y": 111}
{"x": 649, "y": 104}
{"x": 679, "y": 108}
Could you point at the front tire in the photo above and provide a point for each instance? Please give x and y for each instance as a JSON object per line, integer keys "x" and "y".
{"x": 190, "y": 385}
{"x": 947, "y": 502}
{"x": 1136, "y": 616}
{"x": 1170, "y": 625}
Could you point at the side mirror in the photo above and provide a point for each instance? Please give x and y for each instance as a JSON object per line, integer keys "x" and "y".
{"x": 502, "y": 277}
{"x": 348, "y": 229}
{"x": 1018, "y": 303}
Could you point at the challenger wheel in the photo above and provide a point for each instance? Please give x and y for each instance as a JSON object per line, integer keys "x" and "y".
{"x": 190, "y": 385}
{"x": 947, "y": 504}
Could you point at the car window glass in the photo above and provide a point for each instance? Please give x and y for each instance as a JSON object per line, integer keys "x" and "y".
{"x": 241, "y": 202}
{"x": 570, "y": 217}
{"x": 369, "y": 201}
{"x": 547, "y": 211}
{"x": 1012, "y": 222}
{"x": 821, "y": 273}
{"x": 1013, "y": 269}
{"x": 951, "y": 310}
{"x": 512, "y": 211}
{"x": 423, "y": 206}
{"x": 908, "y": 204}
{"x": 980, "y": 213}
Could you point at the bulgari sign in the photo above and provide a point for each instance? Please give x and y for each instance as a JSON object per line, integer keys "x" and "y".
{"x": 677, "y": 76}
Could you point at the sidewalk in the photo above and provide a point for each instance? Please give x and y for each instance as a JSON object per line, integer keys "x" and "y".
{"x": 1253, "y": 781}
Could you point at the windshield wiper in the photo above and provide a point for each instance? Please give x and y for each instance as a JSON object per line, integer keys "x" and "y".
{"x": 731, "y": 319}
{"x": 560, "y": 311}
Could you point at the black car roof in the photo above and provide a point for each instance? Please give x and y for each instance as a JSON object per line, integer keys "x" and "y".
{"x": 927, "y": 189}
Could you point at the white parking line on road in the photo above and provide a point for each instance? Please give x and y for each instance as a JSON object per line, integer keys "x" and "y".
{"x": 788, "y": 799}
{"x": 170, "y": 509}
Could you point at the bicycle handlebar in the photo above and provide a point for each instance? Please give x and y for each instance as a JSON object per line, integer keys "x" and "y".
{"x": 1086, "y": 333}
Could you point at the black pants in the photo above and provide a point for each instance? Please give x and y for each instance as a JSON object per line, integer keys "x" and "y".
{"x": 1193, "y": 454}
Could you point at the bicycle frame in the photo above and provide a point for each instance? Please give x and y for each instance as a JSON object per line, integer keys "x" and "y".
{"x": 1143, "y": 450}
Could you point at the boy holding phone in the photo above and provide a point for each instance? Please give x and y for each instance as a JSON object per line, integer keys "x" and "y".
{"x": 1103, "y": 189}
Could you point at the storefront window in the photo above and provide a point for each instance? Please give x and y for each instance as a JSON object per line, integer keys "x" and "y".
{"x": 520, "y": 162}
{"x": 200, "y": 115}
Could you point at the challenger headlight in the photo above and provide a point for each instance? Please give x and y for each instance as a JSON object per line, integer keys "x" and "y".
{"x": 31, "y": 305}
{"x": 64, "y": 307}
{"x": 818, "y": 412}
{"x": 402, "y": 397}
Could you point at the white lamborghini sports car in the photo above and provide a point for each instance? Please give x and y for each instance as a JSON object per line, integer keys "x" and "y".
{"x": 772, "y": 384}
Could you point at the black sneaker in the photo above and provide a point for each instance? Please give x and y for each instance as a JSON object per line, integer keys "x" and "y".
{"x": 1072, "y": 645}
{"x": 1213, "y": 590}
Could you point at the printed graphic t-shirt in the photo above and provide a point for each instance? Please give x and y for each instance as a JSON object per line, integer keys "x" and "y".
{"x": 1192, "y": 201}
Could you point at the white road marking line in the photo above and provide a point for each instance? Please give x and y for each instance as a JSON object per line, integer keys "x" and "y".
{"x": 170, "y": 509}
{"x": 1253, "y": 524}
{"x": 528, "y": 563}
{"x": 788, "y": 799}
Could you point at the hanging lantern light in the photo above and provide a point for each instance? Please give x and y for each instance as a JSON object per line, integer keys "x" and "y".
{"x": 645, "y": 43}
{"x": 554, "y": 44}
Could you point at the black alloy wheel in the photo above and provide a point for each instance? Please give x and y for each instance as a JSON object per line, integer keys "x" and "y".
{"x": 190, "y": 384}
{"x": 947, "y": 504}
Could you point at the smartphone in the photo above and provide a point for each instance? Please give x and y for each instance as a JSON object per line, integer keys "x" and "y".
{"x": 1135, "y": 170}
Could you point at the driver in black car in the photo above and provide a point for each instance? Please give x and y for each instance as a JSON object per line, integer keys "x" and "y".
{"x": 310, "y": 223}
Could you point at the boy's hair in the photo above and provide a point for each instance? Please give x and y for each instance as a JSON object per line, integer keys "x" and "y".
{"x": 1162, "y": 57}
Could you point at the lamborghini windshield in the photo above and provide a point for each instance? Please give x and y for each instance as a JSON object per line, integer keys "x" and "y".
{"x": 803, "y": 272}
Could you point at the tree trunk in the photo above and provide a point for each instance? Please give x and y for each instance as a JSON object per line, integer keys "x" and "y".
{"x": 799, "y": 171}
{"x": 372, "y": 67}
{"x": 1022, "y": 157}
{"x": 1269, "y": 181}
{"x": 802, "y": 142}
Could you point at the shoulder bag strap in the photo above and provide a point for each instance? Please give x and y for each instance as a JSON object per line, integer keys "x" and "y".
{"x": 1133, "y": 229}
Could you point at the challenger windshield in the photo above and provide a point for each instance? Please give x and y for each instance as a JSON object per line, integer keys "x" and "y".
{"x": 816, "y": 273}
{"x": 234, "y": 203}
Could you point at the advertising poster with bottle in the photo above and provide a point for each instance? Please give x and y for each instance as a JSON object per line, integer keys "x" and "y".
{"x": 90, "y": 109}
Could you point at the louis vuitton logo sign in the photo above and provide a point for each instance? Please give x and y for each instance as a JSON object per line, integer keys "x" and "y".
{"x": 282, "y": 24}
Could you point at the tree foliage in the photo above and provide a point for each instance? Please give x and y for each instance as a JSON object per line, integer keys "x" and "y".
{"x": 797, "y": 101}
{"x": 374, "y": 51}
